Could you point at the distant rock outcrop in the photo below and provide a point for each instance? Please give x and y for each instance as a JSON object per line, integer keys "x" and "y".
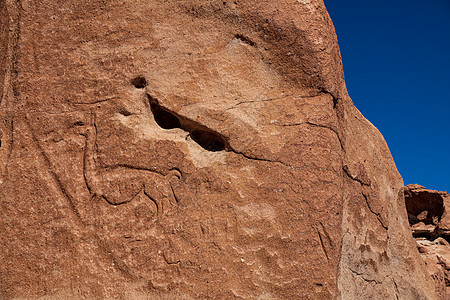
{"x": 429, "y": 217}
{"x": 196, "y": 149}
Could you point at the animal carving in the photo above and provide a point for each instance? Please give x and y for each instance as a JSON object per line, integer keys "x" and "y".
{"x": 119, "y": 184}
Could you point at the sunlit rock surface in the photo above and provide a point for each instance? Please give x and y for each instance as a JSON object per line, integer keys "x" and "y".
{"x": 191, "y": 149}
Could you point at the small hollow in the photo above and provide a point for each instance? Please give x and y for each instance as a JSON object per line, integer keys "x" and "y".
{"x": 318, "y": 284}
{"x": 163, "y": 118}
{"x": 245, "y": 39}
{"x": 125, "y": 112}
{"x": 208, "y": 140}
{"x": 139, "y": 82}
{"x": 78, "y": 123}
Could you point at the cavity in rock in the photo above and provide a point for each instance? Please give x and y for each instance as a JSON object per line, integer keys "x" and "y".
{"x": 208, "y": 140}
{"x": 139, "y": 82}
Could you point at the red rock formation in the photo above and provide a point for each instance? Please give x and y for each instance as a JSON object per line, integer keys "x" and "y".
{"x": 192, "y": 149}
{"x": 429, "y": 219}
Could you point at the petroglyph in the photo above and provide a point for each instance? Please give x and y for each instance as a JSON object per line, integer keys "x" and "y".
{"x": 120, "y": 184}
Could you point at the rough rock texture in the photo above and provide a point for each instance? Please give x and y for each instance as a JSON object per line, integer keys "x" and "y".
{"x": 191, "y": 149}
{"x": 428, "y": 214}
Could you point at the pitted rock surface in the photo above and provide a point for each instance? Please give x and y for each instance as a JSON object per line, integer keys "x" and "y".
{"x": 191, "y": 149}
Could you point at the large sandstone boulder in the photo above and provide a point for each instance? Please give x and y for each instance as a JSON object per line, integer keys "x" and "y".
{"x": 191, "y": 149}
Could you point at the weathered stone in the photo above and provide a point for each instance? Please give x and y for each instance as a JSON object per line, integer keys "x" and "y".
{"x": 424, "y": 205}
{"x": 436, "y": 255}
{"x": 428, "y": 211}
{"x": 192, "y": 149}
{"x": 429, "y": 219}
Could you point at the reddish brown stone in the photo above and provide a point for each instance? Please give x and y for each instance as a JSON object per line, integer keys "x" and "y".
{"x": 192, "y": 149}
{"x": 429, "y": 219}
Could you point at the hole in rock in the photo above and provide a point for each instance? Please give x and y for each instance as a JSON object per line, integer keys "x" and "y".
{"x": 139, "y": 82}
{"x": 125, "y": 112}
{"x": 163, "y": 118}
{"x": 446, "y": 237}
{"x": 208, "y": 140}
{"x": 78, "y": 123}
{"x": 245, "y": 39}
{"x": 424, "y": 207}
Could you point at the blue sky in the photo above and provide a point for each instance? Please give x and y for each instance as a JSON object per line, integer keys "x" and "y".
{"x": 396, "y": 57}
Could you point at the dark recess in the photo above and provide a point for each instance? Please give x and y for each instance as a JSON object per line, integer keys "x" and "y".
{"x": 78, "y": 123}
{"x": 419, "y": 202}
{"x": 125, "y": 112}
{"x": 139, "y": 82}
{"x": 163, "y": 118}
{"x": 245, "y": 39}
{"x": 208, "y": 140}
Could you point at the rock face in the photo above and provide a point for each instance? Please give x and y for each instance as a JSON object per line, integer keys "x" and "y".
{"x": 428, "y": 214}
{"x": 191, "y": 149}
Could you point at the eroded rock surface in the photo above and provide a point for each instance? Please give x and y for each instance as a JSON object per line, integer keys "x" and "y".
{"x": 428, "y": 214}
{"x": 191, "y": 149}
